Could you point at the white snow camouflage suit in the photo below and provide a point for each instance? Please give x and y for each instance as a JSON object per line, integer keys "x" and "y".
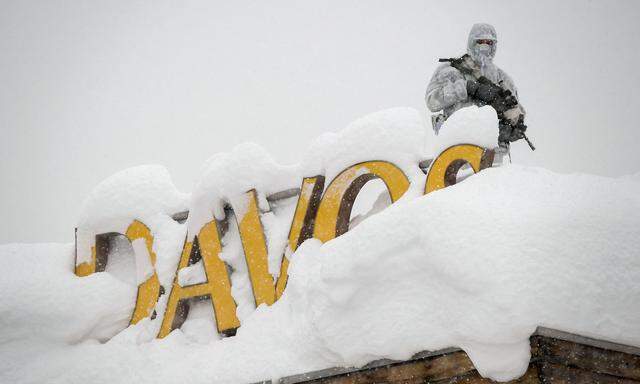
{"x": 447, "y": 90}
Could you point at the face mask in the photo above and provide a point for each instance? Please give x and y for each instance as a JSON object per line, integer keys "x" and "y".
{"x": 483, "y": 49}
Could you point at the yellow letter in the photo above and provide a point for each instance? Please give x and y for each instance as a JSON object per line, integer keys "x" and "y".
{"x": 217, "y": 287}
{"x": 85, "y": 269}
{"x": 148, "y": 291}
{"x": 255, "y": 246}
{"x": 444, "y": 168}
{"x": 302, "y": 223}
{"x": 255, "y": 251}
{"x": 335, "y": 208}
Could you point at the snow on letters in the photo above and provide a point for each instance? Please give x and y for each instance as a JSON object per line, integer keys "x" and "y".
{"x": 477, "y": 266}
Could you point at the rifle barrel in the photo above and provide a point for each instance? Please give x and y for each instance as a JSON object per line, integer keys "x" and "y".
{"x": 529, "y": 142}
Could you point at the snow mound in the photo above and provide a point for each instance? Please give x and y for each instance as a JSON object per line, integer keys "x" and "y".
{"x": 43, "y": 301}
{"x": 471, "y": 125}
{"x": 396, "y": 135}
{"x": 144, "y": 193}
{"x": 135, "y": 193}
{"x": 477, "y": 265}
{"x": 225, "y": 177}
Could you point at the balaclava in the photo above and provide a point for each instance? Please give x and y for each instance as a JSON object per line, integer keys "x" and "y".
{"x": 483, "y": 54}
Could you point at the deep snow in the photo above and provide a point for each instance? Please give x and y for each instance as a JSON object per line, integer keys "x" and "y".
{"x": 478, "y": 265}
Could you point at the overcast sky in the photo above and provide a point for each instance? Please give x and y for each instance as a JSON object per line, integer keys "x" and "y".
{"x": 90, "y": 88}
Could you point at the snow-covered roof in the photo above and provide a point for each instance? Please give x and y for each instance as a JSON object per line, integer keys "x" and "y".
{"x": 478, "y": 266}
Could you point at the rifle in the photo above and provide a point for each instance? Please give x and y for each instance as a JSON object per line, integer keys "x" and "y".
{"x": 524, "y": 136}
{"x": 510, "y": 113}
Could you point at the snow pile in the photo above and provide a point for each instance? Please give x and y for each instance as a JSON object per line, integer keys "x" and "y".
{"x": 145, "y": 193}
{"x": 224, "y": 180}
{"x": 43, "y": 302}
{"x": 227, "y": 176}
{"x": 396, "y": 135}
{"x": 477, "y": 265}
{"x": 471, "y": 125}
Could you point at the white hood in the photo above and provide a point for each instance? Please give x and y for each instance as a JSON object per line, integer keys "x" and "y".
{"x": 483, "y": 54}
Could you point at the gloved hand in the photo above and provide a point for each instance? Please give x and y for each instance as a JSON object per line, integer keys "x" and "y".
{"x": 509, "y": 133}
{"x": 481, "y": 91}
{"x": 504, "y": 132}
{"x": 518, "y": 130}
{"x": 454, "y": 92}
{"x": 517, "y": 134}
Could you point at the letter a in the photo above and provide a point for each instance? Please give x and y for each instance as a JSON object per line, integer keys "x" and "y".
{"x": 217, "y": 287}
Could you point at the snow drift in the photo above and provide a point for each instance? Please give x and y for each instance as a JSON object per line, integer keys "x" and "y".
{"x": 478, "y": 265}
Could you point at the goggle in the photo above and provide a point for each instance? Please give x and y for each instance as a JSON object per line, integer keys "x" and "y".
{"x": 485, "y": 41}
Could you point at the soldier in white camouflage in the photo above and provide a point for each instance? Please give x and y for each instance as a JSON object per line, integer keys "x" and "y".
{"x": 450, "y": 88}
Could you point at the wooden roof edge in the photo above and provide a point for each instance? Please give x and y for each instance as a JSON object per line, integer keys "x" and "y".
{"x": 590, "y": 341}
{"x": 540, "y": 331}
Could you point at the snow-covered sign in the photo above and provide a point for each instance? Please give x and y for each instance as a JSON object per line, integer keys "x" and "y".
{"x": 478, "y": 266}
{"x": 247, "y": 214}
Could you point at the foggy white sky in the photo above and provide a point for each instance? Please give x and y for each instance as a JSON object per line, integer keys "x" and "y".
{"x": 90, "y": 88}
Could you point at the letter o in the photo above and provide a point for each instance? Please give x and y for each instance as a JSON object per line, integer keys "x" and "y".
{"x": 444, "y": 168}
{"x": 334, "y": 211}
